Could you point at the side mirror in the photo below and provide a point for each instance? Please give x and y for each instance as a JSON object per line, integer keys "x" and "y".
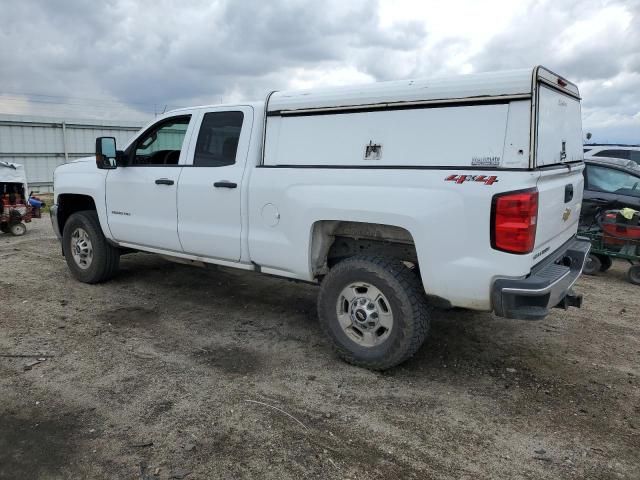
{"x": 106, "y": 153}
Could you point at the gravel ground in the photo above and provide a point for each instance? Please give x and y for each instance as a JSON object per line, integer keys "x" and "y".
{"x": 171, "y": 371}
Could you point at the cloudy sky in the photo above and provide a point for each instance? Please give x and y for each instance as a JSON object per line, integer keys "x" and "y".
{"x": 131, "y": 58}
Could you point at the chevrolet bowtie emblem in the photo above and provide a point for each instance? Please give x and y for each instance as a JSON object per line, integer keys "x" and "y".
{"x": 566, "y": 214}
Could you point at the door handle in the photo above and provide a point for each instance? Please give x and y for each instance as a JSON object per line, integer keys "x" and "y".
{"x": 225, "y": 184}
{"x": 568, "y": 192}
{"x": 164, "y": 181}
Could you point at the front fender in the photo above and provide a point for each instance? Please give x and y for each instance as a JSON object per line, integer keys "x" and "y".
{"x": 82, "y": 177}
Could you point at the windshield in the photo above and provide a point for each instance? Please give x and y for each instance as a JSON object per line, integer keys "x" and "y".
{"x": 610, "y": 180}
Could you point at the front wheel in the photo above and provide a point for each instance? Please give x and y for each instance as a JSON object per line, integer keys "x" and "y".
{"x": 89, "y": 256}
{"x": 374, "y": 311}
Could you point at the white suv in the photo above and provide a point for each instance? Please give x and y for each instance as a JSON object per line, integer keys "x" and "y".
{"x": 622, "y": 152}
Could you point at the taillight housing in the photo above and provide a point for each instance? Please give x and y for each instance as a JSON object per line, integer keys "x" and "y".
{"x": 514, "y": 216}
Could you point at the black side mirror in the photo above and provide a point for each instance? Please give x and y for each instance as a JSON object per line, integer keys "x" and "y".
{"x": 106, "y": 153}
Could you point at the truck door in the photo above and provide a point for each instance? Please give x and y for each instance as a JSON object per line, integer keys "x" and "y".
{"x": 141, "y": 196}
{"x": 209, "y": 190}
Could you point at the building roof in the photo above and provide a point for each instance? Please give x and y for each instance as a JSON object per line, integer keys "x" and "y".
{"x": 6, "y": 118}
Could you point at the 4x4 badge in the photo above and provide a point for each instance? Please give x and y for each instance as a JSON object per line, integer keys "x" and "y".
{"x": 486, "y": 179}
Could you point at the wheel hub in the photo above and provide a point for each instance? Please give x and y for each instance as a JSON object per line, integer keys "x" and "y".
{"x": 81, "y": 248}
{"x": 364, "y": 314}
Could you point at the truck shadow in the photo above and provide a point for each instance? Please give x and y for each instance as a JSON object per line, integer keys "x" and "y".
{"x": 460, "y": 343}
{"x": 213, "y": 285}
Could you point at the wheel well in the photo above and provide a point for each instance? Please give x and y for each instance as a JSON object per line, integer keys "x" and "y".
{"x": 70, "y": 203}
{"x": 333, "y": 241}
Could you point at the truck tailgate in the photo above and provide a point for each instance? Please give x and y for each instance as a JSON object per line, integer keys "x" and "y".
{"x": 559, "y": 202}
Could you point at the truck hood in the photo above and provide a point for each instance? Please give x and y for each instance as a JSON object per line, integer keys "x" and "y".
{"x": 80, "y": 176}
{"x": 84, "y": 164}
{"x": 84, "y": 160}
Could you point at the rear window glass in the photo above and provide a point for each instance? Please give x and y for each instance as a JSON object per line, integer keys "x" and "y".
{"x": 218, "y": 139}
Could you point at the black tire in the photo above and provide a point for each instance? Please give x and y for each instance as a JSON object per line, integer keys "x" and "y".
{"x": 592, "y": 266}
{"x": 4, "y": 227}
{"x": 405, "y": 294}
{"x": 633, "y": 275}
{"x": 106, "y": 258}
{"x": 605, "y": 262}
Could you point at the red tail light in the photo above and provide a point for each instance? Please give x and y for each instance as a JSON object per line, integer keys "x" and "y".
{"x": 514, "y": 216}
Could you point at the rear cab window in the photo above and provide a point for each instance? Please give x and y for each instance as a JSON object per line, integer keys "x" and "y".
{"x": 218, "y": 138}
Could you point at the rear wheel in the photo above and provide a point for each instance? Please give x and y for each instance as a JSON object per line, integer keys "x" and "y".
{"x": 18, "y": 229}
{"x": 605, "y": 262}
{"x": 4, "y": 227}
{"x": 89, "y": 256}
{"x": 592, "y": 266}
{"x": 633, "y": 275}
{"x": 374, "y": 311}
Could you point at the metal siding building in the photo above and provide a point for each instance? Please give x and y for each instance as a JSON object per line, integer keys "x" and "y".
{"x": 43, "y": 143}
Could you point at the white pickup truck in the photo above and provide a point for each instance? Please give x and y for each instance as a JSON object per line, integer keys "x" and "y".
{"x": 452, "y": 192}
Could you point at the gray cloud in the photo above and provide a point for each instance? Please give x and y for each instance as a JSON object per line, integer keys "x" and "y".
{"x": 127, "y": 58}
{"x": 607, "y": 53}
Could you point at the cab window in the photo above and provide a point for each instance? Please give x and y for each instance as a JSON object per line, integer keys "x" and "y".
{"x": 162, "y": 143}
{"x": 610, "y": 180}
{"x": 218, "y": 139}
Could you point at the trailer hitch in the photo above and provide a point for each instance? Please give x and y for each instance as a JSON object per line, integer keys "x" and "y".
{"x": 571, "y": 299}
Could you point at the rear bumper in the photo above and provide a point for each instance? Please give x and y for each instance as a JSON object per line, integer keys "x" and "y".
{"x": 53, "y": 212}
{"x": 547, "y": 286}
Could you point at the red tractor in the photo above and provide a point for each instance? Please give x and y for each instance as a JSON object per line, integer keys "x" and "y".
{"x": 16, "y": 208}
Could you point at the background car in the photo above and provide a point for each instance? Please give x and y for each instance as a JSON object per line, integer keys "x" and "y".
{"x": 623, "y": 153}
{"x": 610, "y": 183}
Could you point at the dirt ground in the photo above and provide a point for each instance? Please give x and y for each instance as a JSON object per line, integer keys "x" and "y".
{"x": 171, "y": 371}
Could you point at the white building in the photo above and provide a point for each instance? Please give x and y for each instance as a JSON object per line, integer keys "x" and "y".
{"x": 43, "y": 143}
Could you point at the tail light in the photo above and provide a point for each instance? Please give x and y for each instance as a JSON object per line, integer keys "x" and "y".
{"x": 514, "y": 216}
